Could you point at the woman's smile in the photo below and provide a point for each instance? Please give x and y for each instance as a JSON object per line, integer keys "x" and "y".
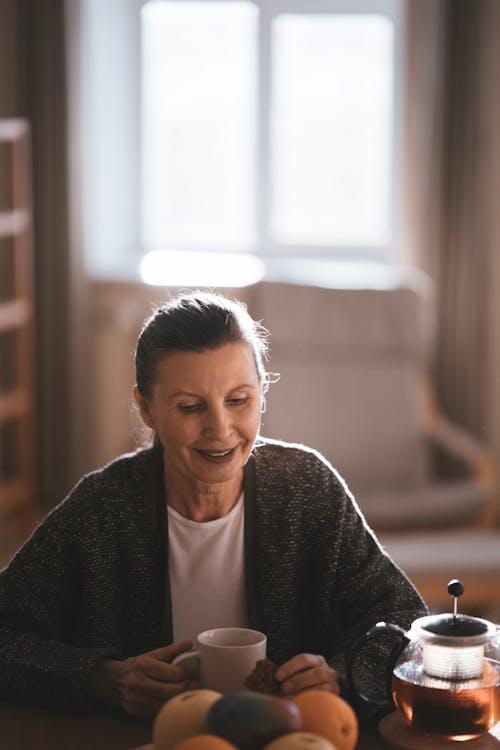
{"x": 217, "y": 456}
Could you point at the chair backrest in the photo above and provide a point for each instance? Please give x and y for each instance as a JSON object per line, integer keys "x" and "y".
{"x": 351, "y": 364}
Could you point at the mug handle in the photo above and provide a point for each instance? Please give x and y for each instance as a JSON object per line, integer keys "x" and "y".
{"x": 191, "y": 663}
{"x": 397, "y": 649}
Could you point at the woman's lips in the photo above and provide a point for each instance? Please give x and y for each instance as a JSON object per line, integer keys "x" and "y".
{"x": 218, "y": 457}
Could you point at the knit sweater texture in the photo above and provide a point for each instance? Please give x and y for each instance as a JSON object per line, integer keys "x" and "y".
{"x": 92, "y": 581}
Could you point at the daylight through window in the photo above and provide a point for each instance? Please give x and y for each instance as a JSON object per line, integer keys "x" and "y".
{"x": 268, "y": 129}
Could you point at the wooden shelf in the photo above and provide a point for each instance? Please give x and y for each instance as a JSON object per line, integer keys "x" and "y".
{"x": 17, "y": 424}
{"x": 14, "y": 314}
{"x": 15, "y": 404}
{"x": 13, "y": 130}
{"x": 15, "y": 496}
{"x": 13, "y": 223}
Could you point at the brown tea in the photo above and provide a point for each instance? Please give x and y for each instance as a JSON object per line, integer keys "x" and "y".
{"x": 457, "y": 710}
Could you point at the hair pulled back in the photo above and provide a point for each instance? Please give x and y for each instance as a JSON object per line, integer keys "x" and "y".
{"x": 195, "y": 322}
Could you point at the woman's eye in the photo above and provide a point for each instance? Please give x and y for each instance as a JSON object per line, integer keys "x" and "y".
{"x": 237, "y": 400}
{"x": 188, "y": 408}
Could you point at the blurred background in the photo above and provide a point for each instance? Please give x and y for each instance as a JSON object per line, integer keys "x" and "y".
{"x": 238, "y": 144}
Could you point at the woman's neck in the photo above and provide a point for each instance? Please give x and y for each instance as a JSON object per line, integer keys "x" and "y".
{"x": 200, "y": 501}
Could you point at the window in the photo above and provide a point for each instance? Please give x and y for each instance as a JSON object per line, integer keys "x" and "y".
{"x": 266, "y": 127}
{"x": 331, "y": 124}
{"x": 199, "y": 113}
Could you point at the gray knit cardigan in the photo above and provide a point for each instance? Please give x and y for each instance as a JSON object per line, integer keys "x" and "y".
{"x": 92, "y": 582}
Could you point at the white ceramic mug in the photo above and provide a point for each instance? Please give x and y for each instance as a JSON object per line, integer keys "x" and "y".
{"x": 224, "y": 657}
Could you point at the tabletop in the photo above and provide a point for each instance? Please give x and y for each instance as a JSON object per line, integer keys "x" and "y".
{"x": 30, "y": 728}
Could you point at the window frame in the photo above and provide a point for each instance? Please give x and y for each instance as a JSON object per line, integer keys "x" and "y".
{"x": 272, "y": 249}
{"x": 105, "y": 55}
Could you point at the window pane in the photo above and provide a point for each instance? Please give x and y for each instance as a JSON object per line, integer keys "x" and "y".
{"x": 199, "y": 90}
{"x": 331, "y": 129}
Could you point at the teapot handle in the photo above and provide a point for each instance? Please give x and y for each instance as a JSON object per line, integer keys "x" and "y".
{"x": 400, "y": 645}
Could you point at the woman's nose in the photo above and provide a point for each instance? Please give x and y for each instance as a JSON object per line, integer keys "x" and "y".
{"x": 217, "y": 422}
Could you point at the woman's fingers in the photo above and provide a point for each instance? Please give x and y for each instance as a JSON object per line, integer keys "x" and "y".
{"x": 309, "y": 680}
{"x": 146, "y": 681}
{"x": 298, "y": 664}
{"x": 160, "y": 670}
{"x": 139, "y": 685}
{"x": 167, "y": 653}
{"x": 307, "y": 672}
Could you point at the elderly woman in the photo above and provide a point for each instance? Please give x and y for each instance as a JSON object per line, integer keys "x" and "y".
{"x": 211, "y": 526}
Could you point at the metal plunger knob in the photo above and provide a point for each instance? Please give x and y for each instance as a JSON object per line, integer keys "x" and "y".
{"x": 455, "y": 589}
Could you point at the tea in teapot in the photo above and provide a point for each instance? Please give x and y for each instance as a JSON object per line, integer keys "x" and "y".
{"x": 444, "y": 673}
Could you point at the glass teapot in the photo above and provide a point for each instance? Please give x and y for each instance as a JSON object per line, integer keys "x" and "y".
{"x": 443, "y": 675}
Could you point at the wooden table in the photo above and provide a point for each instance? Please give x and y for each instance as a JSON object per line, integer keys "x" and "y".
{"x": 29, "y": 728}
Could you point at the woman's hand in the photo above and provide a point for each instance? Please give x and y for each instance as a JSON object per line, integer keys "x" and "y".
{"x": 307, "y": 671}
{"x": 141, "y": 684}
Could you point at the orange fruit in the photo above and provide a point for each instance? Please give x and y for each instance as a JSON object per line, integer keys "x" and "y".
{"x": 204, "y": 742}
{"x": 182, "y": 716}
{"x": 300, "y": 741}
{"x": 328, "y": 715}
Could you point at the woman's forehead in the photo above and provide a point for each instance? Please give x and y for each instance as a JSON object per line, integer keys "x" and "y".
{"x": 227, "y": 364}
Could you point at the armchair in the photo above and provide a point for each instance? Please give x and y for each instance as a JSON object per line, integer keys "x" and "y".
{"x": 354, "y": 384}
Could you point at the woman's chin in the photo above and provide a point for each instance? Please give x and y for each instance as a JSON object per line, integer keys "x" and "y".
{"x": 216, "y": 470}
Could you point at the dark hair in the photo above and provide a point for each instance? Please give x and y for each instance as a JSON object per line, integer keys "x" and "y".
{"x": 195, "y": 322}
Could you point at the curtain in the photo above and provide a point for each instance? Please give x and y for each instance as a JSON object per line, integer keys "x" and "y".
{"x": 452, "y": 86}
{"x": 33, "y": 85}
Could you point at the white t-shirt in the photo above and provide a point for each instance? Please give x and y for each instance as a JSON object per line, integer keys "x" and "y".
{"x": 207, "y": 573}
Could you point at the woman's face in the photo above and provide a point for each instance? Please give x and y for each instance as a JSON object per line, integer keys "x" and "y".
{"x": 205, "y": 408}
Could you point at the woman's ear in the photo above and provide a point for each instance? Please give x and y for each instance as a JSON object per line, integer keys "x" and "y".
{"x": 143, "y": 406}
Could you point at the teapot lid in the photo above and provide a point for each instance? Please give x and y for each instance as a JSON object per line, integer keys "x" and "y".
{"x": 461, "y": 629}
{"x": 455, "y": 625}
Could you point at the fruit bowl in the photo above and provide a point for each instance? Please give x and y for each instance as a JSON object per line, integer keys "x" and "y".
{"x": 312, "y": 720}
